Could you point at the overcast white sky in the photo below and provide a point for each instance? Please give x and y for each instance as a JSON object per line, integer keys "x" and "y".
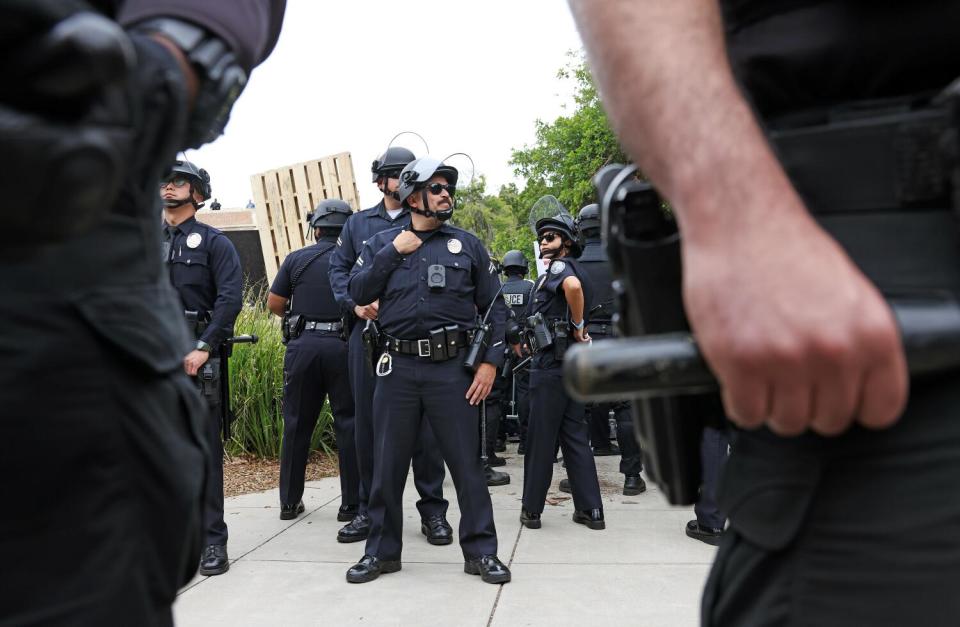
{"x": 469, "y": 76}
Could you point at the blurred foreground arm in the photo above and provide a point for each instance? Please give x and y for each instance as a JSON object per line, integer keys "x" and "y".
{"x": 796, "y": 335}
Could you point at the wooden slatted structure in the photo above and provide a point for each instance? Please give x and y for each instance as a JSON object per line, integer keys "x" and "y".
{"x": 285, "y": 195}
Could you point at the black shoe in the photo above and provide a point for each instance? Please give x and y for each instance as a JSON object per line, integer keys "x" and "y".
{"x": 500, "y": 446}
{"x": 489, "y": 567}
{"x": 356, "y": 530}
{"x": 214, "y": 560}
{"x": 289, "y": 512}
{"x": 633, "y": 485}
{"x": 529, "y": 520}
{"x": 495, "y": 460}
{"x": 565, "y": 486}
{"x": 592, "y": 518}
{"x": 437, "y": 530}
{"x": 346, "y": 513}
{"x": 369, "y": 568}
{"x": 710, "y": 535}
{"x": 605, "y": 451}
{"x": 495, "y": 477}
{"x": 522, "y": 448}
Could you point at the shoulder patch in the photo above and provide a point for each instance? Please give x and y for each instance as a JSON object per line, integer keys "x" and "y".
{"x": 339, "y": 242}
{"x": 359, "y": 260}
{"x": 492, "y": 269}
{"x": 557, "y": 267}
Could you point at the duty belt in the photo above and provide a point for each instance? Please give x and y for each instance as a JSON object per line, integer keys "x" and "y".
{"x": 322, "y": 326}
{"x": 423, "y": 348}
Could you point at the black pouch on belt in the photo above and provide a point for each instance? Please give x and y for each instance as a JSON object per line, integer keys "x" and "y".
{"x": 438, "y": 344}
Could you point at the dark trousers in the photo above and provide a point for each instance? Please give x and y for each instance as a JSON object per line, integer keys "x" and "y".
{"x": 214, "y": 527}
{"x": 315, "y": 367}
{"x": 522, "y": 381}
{"x": 102, "y": 463}
{"x": 428, "y": 471}
{"x": 862, "y": 529}
{"x": 419, "y": 391}
{"x": 631, "y": 459}
{"x": 553, "y": 413}
{"x": 598, "y": 424}
{"x": 713, "y": 456}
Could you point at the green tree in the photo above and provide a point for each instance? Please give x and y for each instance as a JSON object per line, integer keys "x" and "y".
{"x": 569, "y": 151}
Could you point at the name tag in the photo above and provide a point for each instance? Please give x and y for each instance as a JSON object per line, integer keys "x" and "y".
{"x": 514, "y": 299}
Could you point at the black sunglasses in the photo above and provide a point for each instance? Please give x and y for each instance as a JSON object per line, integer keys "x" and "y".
{"x": 436, "y": 188}
{"x": 178, "y": 181}
{"x": 548, "y": 237}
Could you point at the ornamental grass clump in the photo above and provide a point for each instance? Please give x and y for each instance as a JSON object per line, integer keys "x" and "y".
{"x": 256, "y": 388}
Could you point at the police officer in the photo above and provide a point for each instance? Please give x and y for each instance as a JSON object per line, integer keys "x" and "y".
{"x": 91, "y": 372}
{"x": 517, "y": 291}
{"x": 838, "y": 475}
{"x": 560, "y": 305}
{"x": 433, "y": 282}
{"x": 595, "y": 263}
{"x": 315, "y": 364}
{"x": 492, "y": 412}
{"x": 428, "y": 470}
{"x": 205, "y": 271}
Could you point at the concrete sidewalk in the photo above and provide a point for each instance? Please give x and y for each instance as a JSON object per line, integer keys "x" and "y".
{"x": 640, "y": 570}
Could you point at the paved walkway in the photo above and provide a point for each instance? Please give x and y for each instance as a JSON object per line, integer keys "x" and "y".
{"x": 641, "y": 570}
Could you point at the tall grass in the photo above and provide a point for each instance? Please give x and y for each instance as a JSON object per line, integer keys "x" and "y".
{"x": 256, "y": 388}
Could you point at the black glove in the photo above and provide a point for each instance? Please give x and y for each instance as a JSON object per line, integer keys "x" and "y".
{"x": 86, "y": 111}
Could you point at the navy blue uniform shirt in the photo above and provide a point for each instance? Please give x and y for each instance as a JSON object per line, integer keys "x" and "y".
{"x": 595, "y": 263}
{"x": 516, "y": 293}
{"x": 359, "y": 228}
{"x": 548, "y": 296}
{"x": 550, "y": 300}
{"x": 311, "y": 296}
{"x": 205, "y": 271}
{"x": 408, "y": 308}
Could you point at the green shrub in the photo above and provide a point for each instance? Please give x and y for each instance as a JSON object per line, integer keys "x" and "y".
{"x": 256, "y": 388}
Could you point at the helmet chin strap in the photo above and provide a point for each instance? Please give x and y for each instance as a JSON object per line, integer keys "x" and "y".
{"x": 443, "y": 216}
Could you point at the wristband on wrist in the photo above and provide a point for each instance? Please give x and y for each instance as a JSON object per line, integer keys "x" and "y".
{"x": 203, "y": 346}
{"x": 578, "y": 326}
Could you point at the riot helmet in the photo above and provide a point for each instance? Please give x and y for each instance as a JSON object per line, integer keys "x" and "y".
{"x": 515, "y": 260}
{"x": 391, "y": 162}
{"x": 588, "y": 220}
{"x": 564, "y": 224}
{"x": 198, "y": 177}
{"x": 417, "y": 175}
{"x": 331, "y": 213}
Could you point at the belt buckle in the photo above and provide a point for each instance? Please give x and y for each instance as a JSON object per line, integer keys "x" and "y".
{"x": 423, "y": 348}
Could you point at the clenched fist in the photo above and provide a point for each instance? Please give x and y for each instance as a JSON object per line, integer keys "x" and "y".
{"x": 406, "y": 242}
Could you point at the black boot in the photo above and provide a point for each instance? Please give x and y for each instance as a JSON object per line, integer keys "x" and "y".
{"x": 710, "y": 535}
{"x": 592, "y": 518}
{"x": 437, "y": 530}
{"x": 356, "y": 530}
{"x": 495, "y": 477}
{"x": 529, "y": 519}
{"x": 289, "y": 512}
{"x": 346, "y": 513}
{"x": 565, "y": 486}
{"x": 369, "y": 568}
{"x": 489, "y": 567}
{"x": 633, "y": 485}
{"x": 495, "y": 460}
{"x": 214, "y": 560}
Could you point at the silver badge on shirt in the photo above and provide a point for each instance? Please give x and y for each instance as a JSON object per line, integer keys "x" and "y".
{"x": 193, "y": 240}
